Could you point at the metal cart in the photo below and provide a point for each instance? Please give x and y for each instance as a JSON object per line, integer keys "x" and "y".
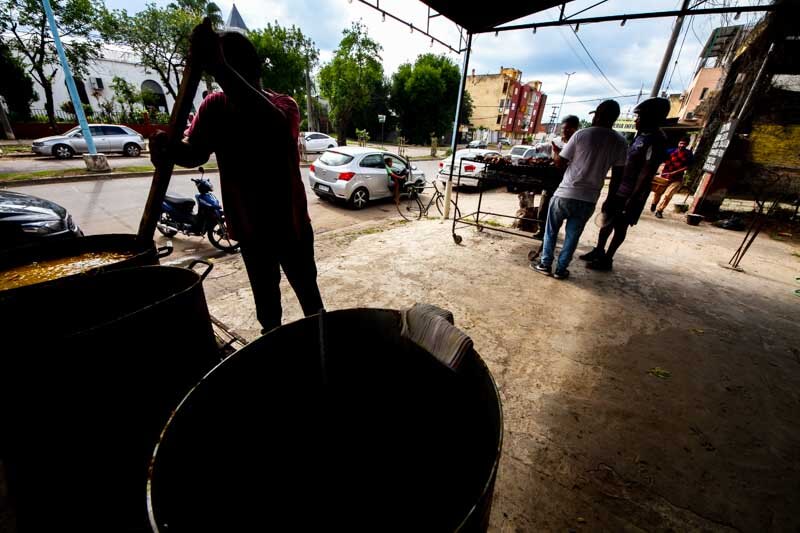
{"x": 539, "y": 179}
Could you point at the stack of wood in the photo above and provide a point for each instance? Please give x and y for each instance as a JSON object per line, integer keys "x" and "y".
{"x": 527, "y": 209}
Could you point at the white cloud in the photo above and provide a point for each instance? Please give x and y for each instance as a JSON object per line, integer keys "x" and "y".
{"x": 628, "y": 55}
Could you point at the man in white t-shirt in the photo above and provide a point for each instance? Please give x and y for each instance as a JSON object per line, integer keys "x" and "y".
{"x": 588, "y": 155}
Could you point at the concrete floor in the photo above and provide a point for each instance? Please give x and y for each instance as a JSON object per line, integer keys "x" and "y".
{"x": 597, "y": 439}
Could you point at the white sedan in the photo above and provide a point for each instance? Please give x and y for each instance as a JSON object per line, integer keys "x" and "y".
{"x": 470, "y": 170}
{"x": 314, "y": 141}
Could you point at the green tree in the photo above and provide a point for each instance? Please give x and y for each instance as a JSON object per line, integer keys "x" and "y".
{"x": 126, "y": 95}
{"x": 424, "y": 96}
{"x": 286, "y": 54}
{"x": 26, "y": 23}
{"x": 352, "y": 78}
{"x": 15, "y": 84}
{"x": 201, "y": 9}
{"x": 159, "y": 36}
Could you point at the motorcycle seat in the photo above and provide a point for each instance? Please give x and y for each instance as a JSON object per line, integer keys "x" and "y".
{"x": 180, "y": 202}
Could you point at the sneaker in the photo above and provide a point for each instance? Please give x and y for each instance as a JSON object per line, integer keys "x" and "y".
{"x": 541, "y": 269}
{"x": 603, "y": 264}
{"x": 652, "y": 208}
{"x": 659, "y": 214}
{"x": 561, "y": 274}
{"x": 596, "y": 253}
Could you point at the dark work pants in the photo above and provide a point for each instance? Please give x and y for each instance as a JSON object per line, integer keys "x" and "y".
{"x": 263, "y": 259}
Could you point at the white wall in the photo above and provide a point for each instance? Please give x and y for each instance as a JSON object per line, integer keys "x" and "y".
{"x": 116, "y": 62}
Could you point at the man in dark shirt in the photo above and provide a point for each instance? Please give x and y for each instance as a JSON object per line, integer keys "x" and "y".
{"x": 627, "y": 195}
{"x": 254, "y": 136}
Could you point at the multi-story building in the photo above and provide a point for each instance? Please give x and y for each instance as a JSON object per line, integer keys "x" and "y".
{"x": 504, "y": 106}
{"x": 721, "y": 47}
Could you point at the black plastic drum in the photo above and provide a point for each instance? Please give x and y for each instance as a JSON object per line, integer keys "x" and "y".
{"x": 363, "y": 431}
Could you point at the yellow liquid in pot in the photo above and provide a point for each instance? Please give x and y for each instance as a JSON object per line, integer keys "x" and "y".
{"x": 51, "y": 269}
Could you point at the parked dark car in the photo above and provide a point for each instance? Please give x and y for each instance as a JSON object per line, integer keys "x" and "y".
{"x": 25, "y": 219}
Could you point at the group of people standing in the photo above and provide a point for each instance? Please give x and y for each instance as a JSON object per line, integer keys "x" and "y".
{"x": 586, "y": 159}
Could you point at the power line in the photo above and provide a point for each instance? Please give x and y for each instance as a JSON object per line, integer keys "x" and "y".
{"x": 593, "y": 61}
{"x": 678, "y": 57}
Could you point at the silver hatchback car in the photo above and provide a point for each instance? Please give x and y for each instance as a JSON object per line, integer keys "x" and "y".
{"x": 357, "y": 174}
{"x": 107, "y": 138}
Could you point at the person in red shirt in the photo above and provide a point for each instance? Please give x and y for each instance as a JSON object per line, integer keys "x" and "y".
{"x": 253, "y": 133}
{"x": 678, "y": 160}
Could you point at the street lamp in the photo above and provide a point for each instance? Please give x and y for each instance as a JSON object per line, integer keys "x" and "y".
{"x": 563, "y": 95}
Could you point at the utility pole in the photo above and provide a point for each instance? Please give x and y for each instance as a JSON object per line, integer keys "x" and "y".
{"x": 310, "y": 122}
{"x": 553, "y": 116}
{"x": 563, "y": 95}
{"x": 662, "y": 70}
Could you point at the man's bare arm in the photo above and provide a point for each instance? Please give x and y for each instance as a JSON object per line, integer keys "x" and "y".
{"x": 182, "y": 154}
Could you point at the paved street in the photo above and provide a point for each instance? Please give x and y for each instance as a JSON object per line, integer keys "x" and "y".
{"x": 115, "y": 206}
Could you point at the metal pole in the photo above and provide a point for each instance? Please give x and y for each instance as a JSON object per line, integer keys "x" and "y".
{"x": 448, "y": 193}
{"x": 563, "y": 95}
{"x": 310, "y": 122}
{"x": 756, "y": 81}
{"x": 662, "y": 70}
{"x": 73, "y": 91}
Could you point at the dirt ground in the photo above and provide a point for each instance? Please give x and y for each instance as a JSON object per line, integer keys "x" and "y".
{"x": 662, "y": 396}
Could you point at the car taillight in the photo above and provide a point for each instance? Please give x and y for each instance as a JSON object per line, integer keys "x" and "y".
{"x": 469, "y": 168}
{"x": 346, "y": 176}
{"x": 311, "y": 168}
{"x": 441, "y": 165}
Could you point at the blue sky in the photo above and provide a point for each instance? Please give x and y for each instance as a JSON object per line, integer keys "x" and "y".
{"x": 629, "y": 56}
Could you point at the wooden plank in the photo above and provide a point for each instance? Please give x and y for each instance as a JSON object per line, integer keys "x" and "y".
{"x": 177, "y": 124}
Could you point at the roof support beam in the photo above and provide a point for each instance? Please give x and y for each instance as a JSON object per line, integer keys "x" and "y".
{"x": 633, "y": 16}
{"x": 385, "y": 14}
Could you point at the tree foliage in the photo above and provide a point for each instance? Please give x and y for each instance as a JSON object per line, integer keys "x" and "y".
{"x": 26, "y": 23}
{"x": 15, "y": 84}
{"x": 158, "y": 36}
{"x": 353, "y": 79}
{"x": 286, "y": 53}
{"x": 424, "y": 96}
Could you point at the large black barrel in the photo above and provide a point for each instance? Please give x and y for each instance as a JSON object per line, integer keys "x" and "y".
{"x": 90, "y": 372}
{"x": 363, "y": 431}
{"x": 138, "y": 252}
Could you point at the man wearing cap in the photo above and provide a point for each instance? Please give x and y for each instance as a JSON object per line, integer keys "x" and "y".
{"x": 587, "y": 157}
{"x": 627, "y": 194}
{"x": 678, "y": 160}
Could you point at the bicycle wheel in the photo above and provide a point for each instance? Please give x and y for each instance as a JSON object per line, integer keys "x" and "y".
{"x": 409, "y": 206}
{"x": 454, "y": 210}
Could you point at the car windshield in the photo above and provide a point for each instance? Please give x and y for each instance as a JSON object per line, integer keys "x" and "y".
{"x": 73, "y": 130}
{"x": 518, "y": 150}
{"x": 335, "y": 159}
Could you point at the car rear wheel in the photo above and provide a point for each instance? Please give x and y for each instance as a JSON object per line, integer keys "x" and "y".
{"x": 62, "y": 151}
{"x": 132, "y": 150}
{"x": 360, "y": 198}
{"x": 331, "y": 146}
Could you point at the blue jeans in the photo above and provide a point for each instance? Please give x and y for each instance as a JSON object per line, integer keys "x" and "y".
{"x": 576, "y": 213}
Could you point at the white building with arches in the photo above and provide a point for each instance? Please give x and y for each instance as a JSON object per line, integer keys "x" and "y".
{"x": 96, "y": 88}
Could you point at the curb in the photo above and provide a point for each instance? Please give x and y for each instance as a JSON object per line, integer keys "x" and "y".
{"x": 93, "y": 177}
{"x": 102, "y": 177}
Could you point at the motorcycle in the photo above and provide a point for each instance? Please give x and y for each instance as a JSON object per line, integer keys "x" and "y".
{"x": 178, "y": 215}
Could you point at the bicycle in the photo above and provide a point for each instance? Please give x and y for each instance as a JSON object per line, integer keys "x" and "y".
{"x": 412, "y": 205}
